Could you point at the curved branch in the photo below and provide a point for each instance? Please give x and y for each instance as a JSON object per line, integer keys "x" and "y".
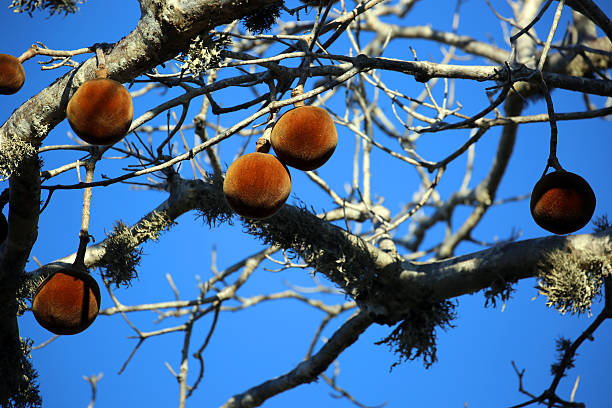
{"x": 307, "y": 371}
{"x": 466, "y": 43}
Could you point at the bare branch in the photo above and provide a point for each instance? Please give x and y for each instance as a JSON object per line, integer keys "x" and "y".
{"x": 307, "y": 371}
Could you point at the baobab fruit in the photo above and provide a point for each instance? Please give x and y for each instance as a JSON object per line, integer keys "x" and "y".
{"x": 562, "y": 202}
{"x": 256, "y": 185}
{"x": 100, "y": 112}
{"x": 12, "y": 74}
{"x": 67, "y": 302}
{"x": 304, "y": 137}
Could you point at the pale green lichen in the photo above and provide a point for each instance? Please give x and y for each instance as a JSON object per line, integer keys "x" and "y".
{"x": 123, "y": 253}
{"x": 571, "y": 282}
{"x": 41, "y": 130}
{"x": 54, "y": 6}
{"x": 12, "y": 153}
{"x": 204, "y": 53}
{"x": 323, "y": 247}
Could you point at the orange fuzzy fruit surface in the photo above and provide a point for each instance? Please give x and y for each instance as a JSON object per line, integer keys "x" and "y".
{"x": 304, "y": 137}
{"x": 12, "y": 74}
{"x": 67, "y": 302}
{"x": 256, "y": 185}
{"x": 562, "y": 202}
{"x": 100, "y": 112}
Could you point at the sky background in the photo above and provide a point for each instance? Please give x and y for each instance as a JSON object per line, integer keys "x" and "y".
{"x": 260, "y": 343}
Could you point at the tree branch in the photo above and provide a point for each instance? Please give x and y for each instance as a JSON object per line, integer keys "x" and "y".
{"x": 594, "y": 13}
{"x": 307, "y": 371}
{"x": 381, "y": 284}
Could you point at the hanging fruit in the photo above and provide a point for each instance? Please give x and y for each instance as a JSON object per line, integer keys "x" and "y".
{"x": 257, "y": 185}
{"x": 562, "y": 202}
{"x": 12, "y": 74}
{"x": 67, "y": 302}
{"x": 304, "y": 137}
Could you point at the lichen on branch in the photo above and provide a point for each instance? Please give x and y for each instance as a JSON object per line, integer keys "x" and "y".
{"x": 123, "y": 253}
{"x": 23, "y": 382}
{"x": 343, "y": 258}
{"x": 415, "y": 336}
{"x": 261, "y": 20}
{"x": 204, "y": 53}
{"x": 13, "y": 151}
{"x": 54, "y": 6}
{"x": 571, "y": 283}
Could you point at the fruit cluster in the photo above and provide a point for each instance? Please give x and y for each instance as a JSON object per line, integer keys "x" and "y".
{"x": 258, "y": 184}
{"x": 67, "y": 302}
{"x": 100, "y": 112}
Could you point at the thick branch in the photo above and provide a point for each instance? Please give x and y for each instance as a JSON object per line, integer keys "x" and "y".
{"x": 24, "y": 204}
{"x": 510, "y": 262}
{"x": 594, "y": 13}
{"x": 385, "y": 286}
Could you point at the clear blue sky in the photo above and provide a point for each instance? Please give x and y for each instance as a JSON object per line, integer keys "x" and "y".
{"x": 257, "y": 344}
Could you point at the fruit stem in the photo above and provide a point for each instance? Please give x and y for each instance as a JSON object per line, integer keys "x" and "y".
{"x": 29, "y": 53}
{"x": 297, "y": 91}
{"x": 263, "y": 144}
{"x": 553, "y": 161}
{"x": 102, "y": 71}
{"x": 84, "y": 236}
